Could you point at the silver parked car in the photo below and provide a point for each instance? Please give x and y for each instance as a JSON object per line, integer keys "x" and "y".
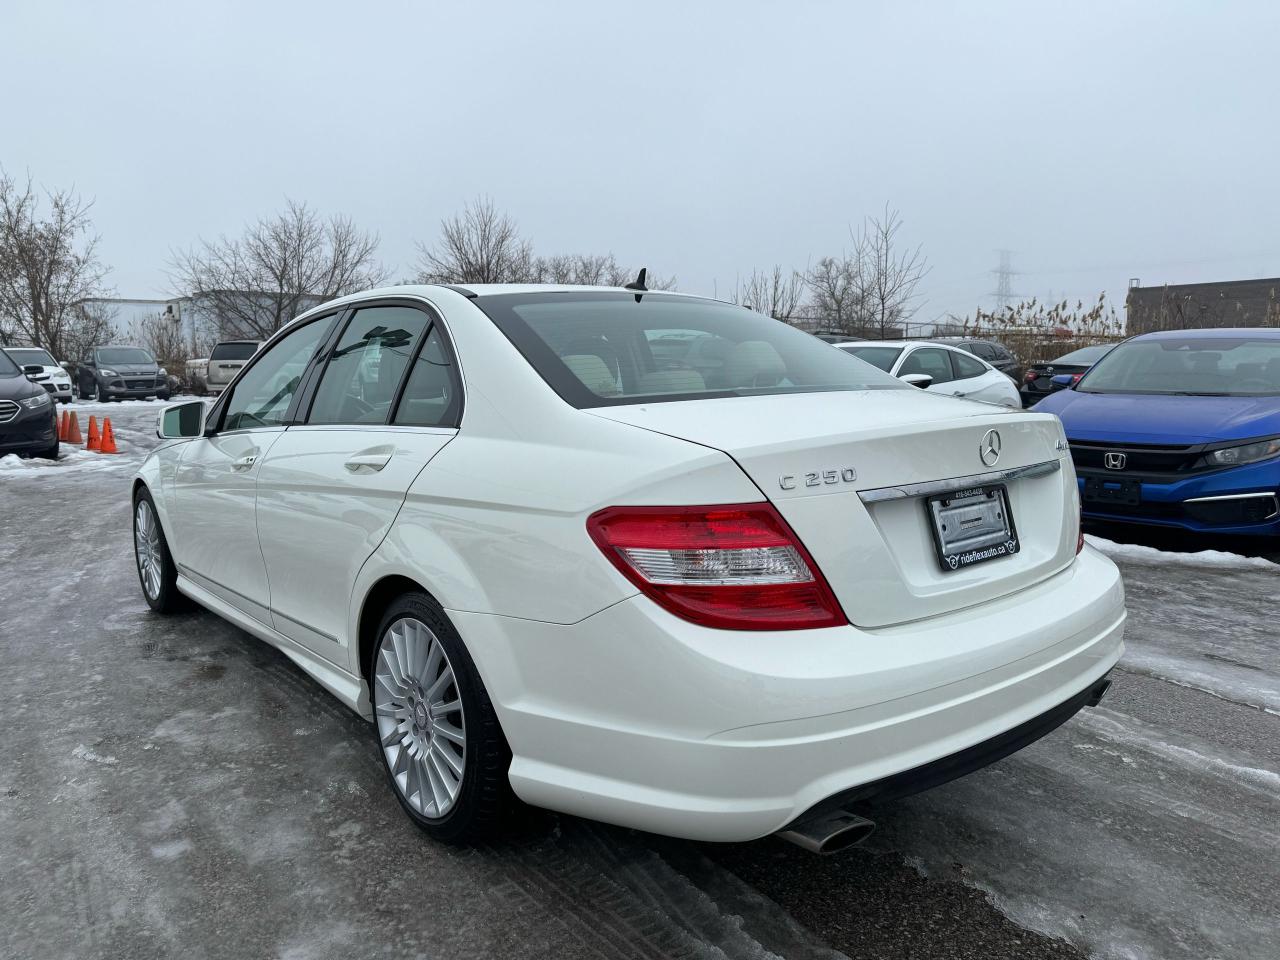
{"x": 225, "y": 362}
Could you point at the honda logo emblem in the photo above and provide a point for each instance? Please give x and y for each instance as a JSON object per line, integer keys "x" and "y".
{"x": 1114, "y": 461}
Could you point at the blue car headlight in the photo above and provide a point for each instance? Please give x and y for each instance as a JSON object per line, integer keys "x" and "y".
{"x": 1244, "y": 453}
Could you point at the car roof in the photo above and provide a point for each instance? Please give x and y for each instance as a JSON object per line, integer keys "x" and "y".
{"x": 1214, "y": 333}
{"x": 900, "y": 343}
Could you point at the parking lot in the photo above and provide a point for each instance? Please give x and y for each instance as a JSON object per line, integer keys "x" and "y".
{"x": 172, "y": 786}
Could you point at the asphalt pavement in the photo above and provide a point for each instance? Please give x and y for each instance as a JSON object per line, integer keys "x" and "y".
{"x": 170, "y": 786}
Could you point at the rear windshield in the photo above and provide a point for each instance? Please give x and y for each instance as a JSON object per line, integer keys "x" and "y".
{"x": 32, "y": 355}
{"x": 603, "y": 348}
{"x": 882, "y": 357}
{"x": 233, "y": 351}
{"x": 124, "y": 355}
{"x": 1211, "y": 366}
{"x": 1085, "y": 355}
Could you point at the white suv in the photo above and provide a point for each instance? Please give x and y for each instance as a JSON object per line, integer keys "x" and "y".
{"x": 52, "y": 376}
{"x": 715, "y": 594}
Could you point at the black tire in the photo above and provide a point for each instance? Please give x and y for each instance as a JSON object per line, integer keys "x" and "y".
{"x": 64, "y": 400}
{"x": 167, "y": 599}
{"x": 485, "y": 799}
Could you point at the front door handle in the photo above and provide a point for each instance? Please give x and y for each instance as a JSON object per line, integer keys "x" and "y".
{"x": 367, "y": 462}
{"x": 244, "y": 463}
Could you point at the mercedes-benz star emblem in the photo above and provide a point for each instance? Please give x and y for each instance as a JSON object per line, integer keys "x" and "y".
{"x": 989, "y": 448}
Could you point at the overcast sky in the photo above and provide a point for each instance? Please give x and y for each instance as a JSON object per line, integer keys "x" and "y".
{"x": 1097, "y": 140}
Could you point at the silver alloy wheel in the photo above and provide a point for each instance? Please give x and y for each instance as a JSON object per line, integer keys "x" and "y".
{"x": 420, "y": 721}
{"x": 146, "y": 543}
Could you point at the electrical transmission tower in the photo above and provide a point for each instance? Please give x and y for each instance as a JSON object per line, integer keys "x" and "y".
{"x": 1004, "y": 274}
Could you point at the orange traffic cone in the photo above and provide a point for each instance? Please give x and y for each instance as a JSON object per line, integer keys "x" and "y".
{"x": 62, "y": 426}
{"x": 73, "y": 430}
{"x": 94, "y": 441}
{"x": 108, "y": 442}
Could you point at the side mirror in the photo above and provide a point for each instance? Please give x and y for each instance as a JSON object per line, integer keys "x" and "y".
{"x": 921, "y": 380}
{"x": 1063, "y": 380}
{"x": 32, "y": 369}
{"x": 182, "y": 421}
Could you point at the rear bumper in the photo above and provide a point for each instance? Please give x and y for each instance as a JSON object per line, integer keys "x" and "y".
{"x": 637, "y": 718}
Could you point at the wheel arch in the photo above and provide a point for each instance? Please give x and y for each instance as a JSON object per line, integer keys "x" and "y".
{"x": 376, "y": 600}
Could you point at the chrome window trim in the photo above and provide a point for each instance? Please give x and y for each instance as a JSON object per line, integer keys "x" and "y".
{"x": 930, "y": 487}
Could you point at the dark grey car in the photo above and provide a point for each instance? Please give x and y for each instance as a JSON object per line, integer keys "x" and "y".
{"x": 28, "y": 417}
{"x": 121, "y": 373}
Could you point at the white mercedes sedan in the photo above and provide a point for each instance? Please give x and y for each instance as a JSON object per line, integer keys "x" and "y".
{"x": 938, "y": 368}
{"x": 636, "y": 556}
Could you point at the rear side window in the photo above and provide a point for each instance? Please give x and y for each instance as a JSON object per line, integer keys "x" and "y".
{"x": 432, "y": 397}
{"x": 365, "y": 368}
{"x": 983, "y": 350}
{"x": 603, "y": 348}
{"x": 933, "y": 361}
{"x": 967, "y": 366}
{"x": 233, "y": 351}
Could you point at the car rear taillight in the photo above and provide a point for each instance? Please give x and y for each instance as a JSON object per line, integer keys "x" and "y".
{"x": 1031, "y": 375}
{"x": 736, "y": 567}
{"x": 1075, "y": 378}
{"x": 1079, "y": 526}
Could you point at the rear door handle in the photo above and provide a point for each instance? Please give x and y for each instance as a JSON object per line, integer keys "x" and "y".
{"x": 367, "y": 462}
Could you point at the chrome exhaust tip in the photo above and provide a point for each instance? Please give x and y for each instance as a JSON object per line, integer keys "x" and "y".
{"x": 829, "y": 833}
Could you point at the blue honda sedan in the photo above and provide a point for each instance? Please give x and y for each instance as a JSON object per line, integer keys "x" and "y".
{"x": 1180, "y": 429}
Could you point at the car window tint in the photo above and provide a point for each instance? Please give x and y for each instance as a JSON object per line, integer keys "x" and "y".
{"x": 933, "y": 361}
{"x": 360, "y": 380}
{"x": 432, "y": 397}
{"x": 263, "y": 394}
{"x": 983, "y": 350}
{"x": 967, "y": 366}
{"x": 882, "y": 357}
{"x": 233, "y": 351}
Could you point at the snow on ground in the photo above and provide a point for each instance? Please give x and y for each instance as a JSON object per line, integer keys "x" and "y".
{"x": 1136, "y": 553}
{"x": 133, "y": 422}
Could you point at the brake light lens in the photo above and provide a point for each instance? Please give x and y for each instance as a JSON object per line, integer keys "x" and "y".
{"x": 1079, "y": 526}
{"x": 734, "y": 567}
{"x": 1031, "y": 375}
{"x": 1075, "y": 378}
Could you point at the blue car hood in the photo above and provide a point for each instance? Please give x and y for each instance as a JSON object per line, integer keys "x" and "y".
{"x": 1145, "y": 418}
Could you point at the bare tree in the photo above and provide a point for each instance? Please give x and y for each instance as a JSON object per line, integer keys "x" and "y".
{"x": 162, "y": 334}
{"x": 871, "y": 290}
{"x": 892, "y": 274}
{"x": 285, "y": 264}
{"x": 478, "y": 245}
{"x": 48, "y": 264}
{"x": 836, "y": 285}
{"x": 776, "y": 292}
{"x": 593, "y": 269}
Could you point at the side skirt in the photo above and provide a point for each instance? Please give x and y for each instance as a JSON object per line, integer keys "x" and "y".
{"x": 342, "y": 685}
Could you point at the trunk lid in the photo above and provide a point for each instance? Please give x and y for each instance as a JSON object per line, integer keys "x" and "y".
{"x": 818, "y": 457}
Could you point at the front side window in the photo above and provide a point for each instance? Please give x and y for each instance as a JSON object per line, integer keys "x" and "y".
{"x": 1198, "y": 366}
{"x": 110, "y": 355}
{"x": 262, "y": 396}
{"x": 365, "y": 368}
{"x": 932, "y": 361}
{"x": 7, "y": 367}
{"x": 602, "y": 348}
